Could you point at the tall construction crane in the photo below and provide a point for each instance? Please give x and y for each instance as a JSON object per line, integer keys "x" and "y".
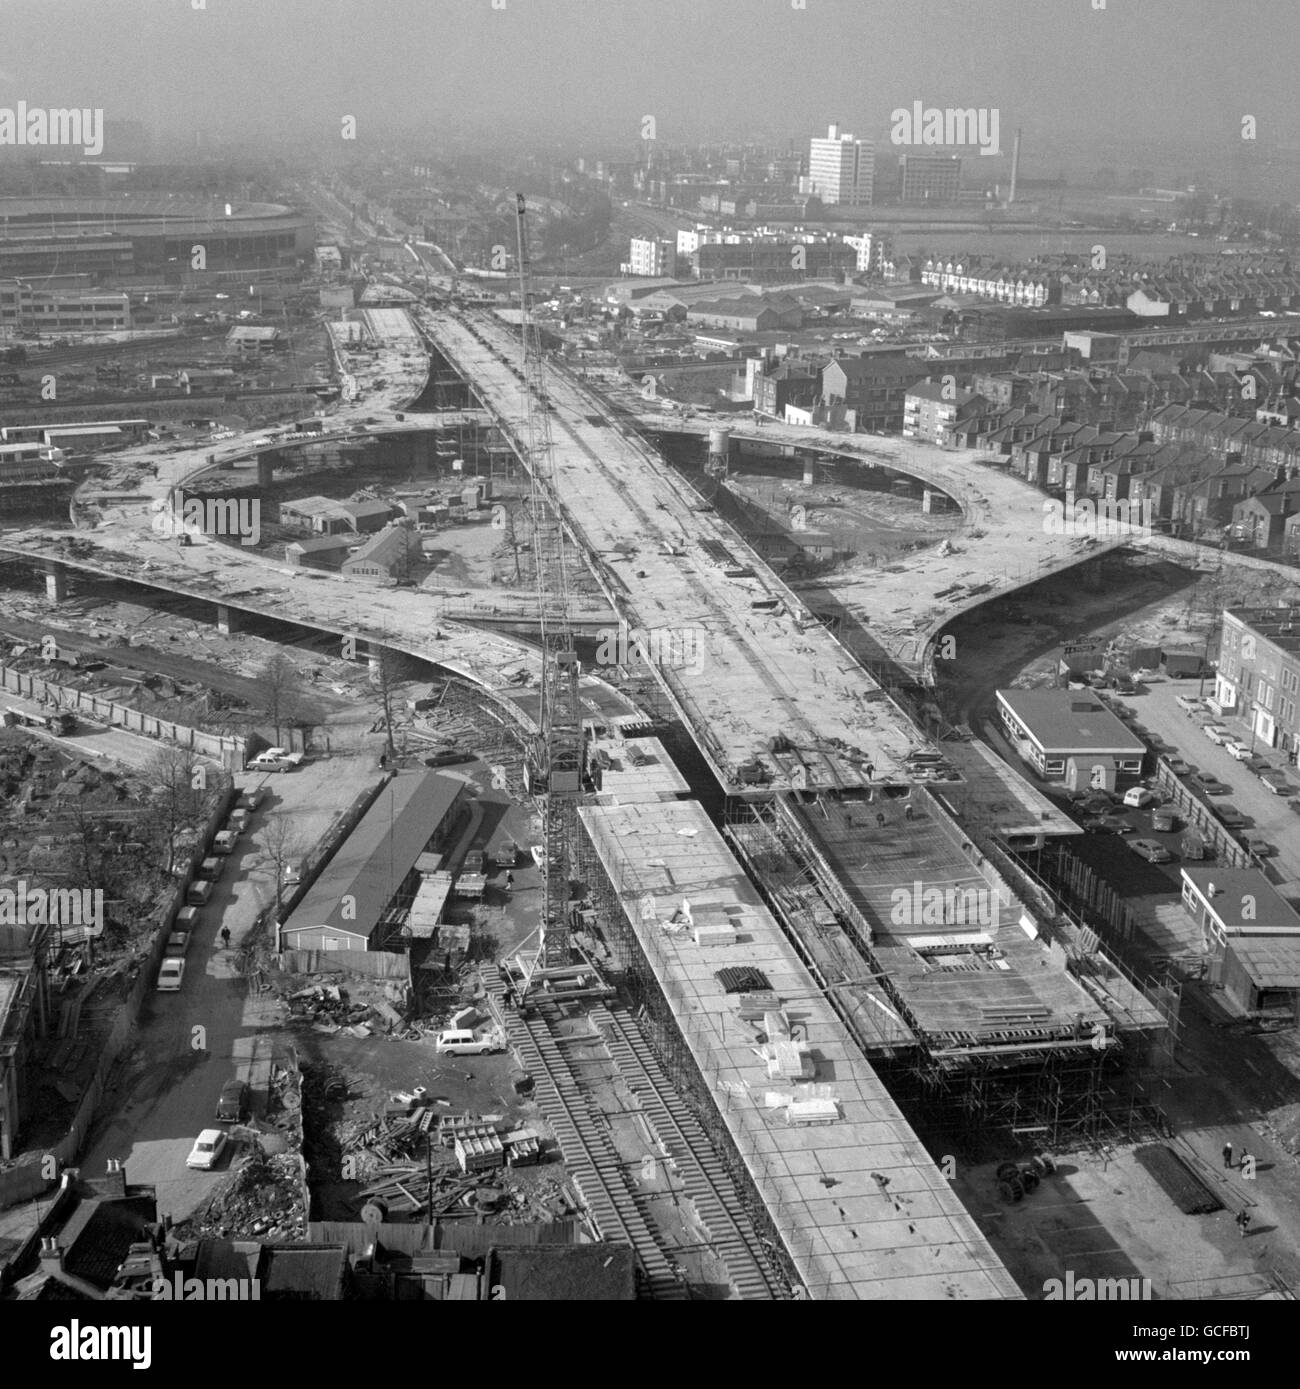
{"x": 556, "y": 762}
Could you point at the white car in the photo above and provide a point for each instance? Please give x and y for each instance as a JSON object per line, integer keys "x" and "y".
{"x": 1139, "y": 796}
{"x": 1216, "y": 733}
{"x": 170, "y": 974}
{"x": 1240, "y": 751}
{"x": 460, "y": 1041}
{"x": 1187, "y": 704}
{"x": 207, "y": 1149}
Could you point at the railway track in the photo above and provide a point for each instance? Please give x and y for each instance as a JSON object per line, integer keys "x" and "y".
{"x": 597, "y": 1171}
{"x": 706, "y": 1181}
{"x": 618, "y": 1209}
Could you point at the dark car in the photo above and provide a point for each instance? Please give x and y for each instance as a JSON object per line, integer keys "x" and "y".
{"x": 233, "y": 1104}
{"x": 1230, "y": 816}
{"x": 1208, "y": 785}
{"x": 1125, "y": 685}
{"x": 1179, "y": 767}
{"x": 1108, "y": 824}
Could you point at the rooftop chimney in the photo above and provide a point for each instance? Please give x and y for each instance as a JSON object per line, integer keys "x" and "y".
{"x": 51, "y": 1256}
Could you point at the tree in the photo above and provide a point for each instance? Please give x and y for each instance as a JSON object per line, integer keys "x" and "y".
{"x": 281, "y": 691}
{"x": 285, "y": 847}
{"x": 389, "y": 670}
{"x": 180, "y": 781}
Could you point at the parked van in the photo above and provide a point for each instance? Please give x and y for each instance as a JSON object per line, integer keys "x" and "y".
{"x": 239, "y": 820}
{"x": 224, "y": 842}
{"x": 460, "y": 1041}
{"x": 209, "y": 869}
{"x": 199, "y": 893}
{"x": 187, "y": 919}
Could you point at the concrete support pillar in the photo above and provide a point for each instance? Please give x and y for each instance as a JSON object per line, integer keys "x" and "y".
{"x": 809, "y": 470}
{"x": 56, "y": 581}
{"x": 227, "y": 620}
{"x": 265, "y": 470}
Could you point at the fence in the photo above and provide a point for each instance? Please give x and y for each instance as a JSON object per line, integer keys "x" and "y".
{"x": 229, "y": 750}
{"x": 375, "y": 964}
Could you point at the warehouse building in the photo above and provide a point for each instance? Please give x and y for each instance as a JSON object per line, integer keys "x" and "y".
{"x": 373, "y": 876}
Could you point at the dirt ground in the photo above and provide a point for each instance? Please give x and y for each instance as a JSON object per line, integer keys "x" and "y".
{"x": 877, "y": 525}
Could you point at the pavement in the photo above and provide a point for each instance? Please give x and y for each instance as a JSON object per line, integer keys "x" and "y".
{"x": 185, "y": 1044}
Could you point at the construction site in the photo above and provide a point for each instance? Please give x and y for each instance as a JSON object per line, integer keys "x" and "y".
{"x": 720, "y": 955}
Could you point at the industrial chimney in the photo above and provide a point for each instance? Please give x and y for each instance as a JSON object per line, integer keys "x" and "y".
{"x": 1015, "y": 169}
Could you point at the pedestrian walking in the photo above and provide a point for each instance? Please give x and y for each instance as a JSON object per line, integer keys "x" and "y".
{"x": 1243, "y": 1223}
{"x": 1227, "y": 1154}
{"x": 510, "y": 882}
{"x": 225, "y": 936}
{"x": 880, "y": 820}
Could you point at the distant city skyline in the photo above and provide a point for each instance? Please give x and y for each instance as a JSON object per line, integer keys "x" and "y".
{"x": 1176, "y": 70}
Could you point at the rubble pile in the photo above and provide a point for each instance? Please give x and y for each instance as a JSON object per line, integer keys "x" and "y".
{"x": 328, "y": 1008}
{"x": 262, "y": 1200}
{"x": 425, "y": 1163}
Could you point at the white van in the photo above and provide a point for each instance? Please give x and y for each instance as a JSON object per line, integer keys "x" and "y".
{"x": 460, "y": 1041}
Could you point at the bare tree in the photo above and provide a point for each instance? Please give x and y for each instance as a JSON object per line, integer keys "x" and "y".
{"x": 180, "y": 781}
{"x": 284, "y": 846}
{"x": 281, "y": 691}
{"x": 389, "y": 670}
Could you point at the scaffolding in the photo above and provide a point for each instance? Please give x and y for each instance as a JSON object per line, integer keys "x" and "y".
{"x": 1059, "y": 1092}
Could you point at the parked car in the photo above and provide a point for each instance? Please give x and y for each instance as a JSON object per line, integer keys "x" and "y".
{"x": 292, "y": 874}
{"x": 250, "y": 800}
{"x": 1276, "y": 783}
{"x": 233, "y": 1104}
{"x": 1179, "y": 767}
{"x": 1258, "y": 846}
{"x": 1208, "y": 785}
{"x": 1188, "y": 704}
{"x": 1230, "y": 816}
{"x": 1164, "y": 819}
{"x": 1216, "y": 733}
{"x": 1125, "y": 685}
{"x": 1151, "y": 850}
{"x": 208, "y": 1147}
{"x": 224, "y": 842}
{"x": 1256, "y": 764}
{"x": 170, "y": 974}
{"x": 239, "y": 820}
{"x": 460, "y": 1041}
{"x": 1139, "y": 796}
{"x": 1239, "y": 752}
{"x": 209, "y": 869}
{"x": 1108, "y": 824}
{"x": 199, "y": 892}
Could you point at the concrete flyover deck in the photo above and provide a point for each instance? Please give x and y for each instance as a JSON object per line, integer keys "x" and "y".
{"x": 740, "y": 655}
{"x": 396, "y": 619}
{"x": 859, "y": 1204}
{"x": 1003, "y": 543}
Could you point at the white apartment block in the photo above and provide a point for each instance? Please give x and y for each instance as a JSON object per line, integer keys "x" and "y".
{"x": 841, "y": 169}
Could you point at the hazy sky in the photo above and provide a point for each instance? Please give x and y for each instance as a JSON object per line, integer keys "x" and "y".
{"x": 706, "y": 69}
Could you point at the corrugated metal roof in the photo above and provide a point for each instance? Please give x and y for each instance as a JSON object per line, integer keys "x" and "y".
{"x": 370, "y": 865}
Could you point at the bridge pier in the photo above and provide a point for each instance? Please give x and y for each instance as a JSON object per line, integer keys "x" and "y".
{"x": 227, "y": 619}
{"x": 56, "y": 581}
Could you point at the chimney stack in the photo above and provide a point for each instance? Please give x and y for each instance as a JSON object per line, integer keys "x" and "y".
{"x": 51, "y": 1256}
{"x": 1015, "y": 169}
